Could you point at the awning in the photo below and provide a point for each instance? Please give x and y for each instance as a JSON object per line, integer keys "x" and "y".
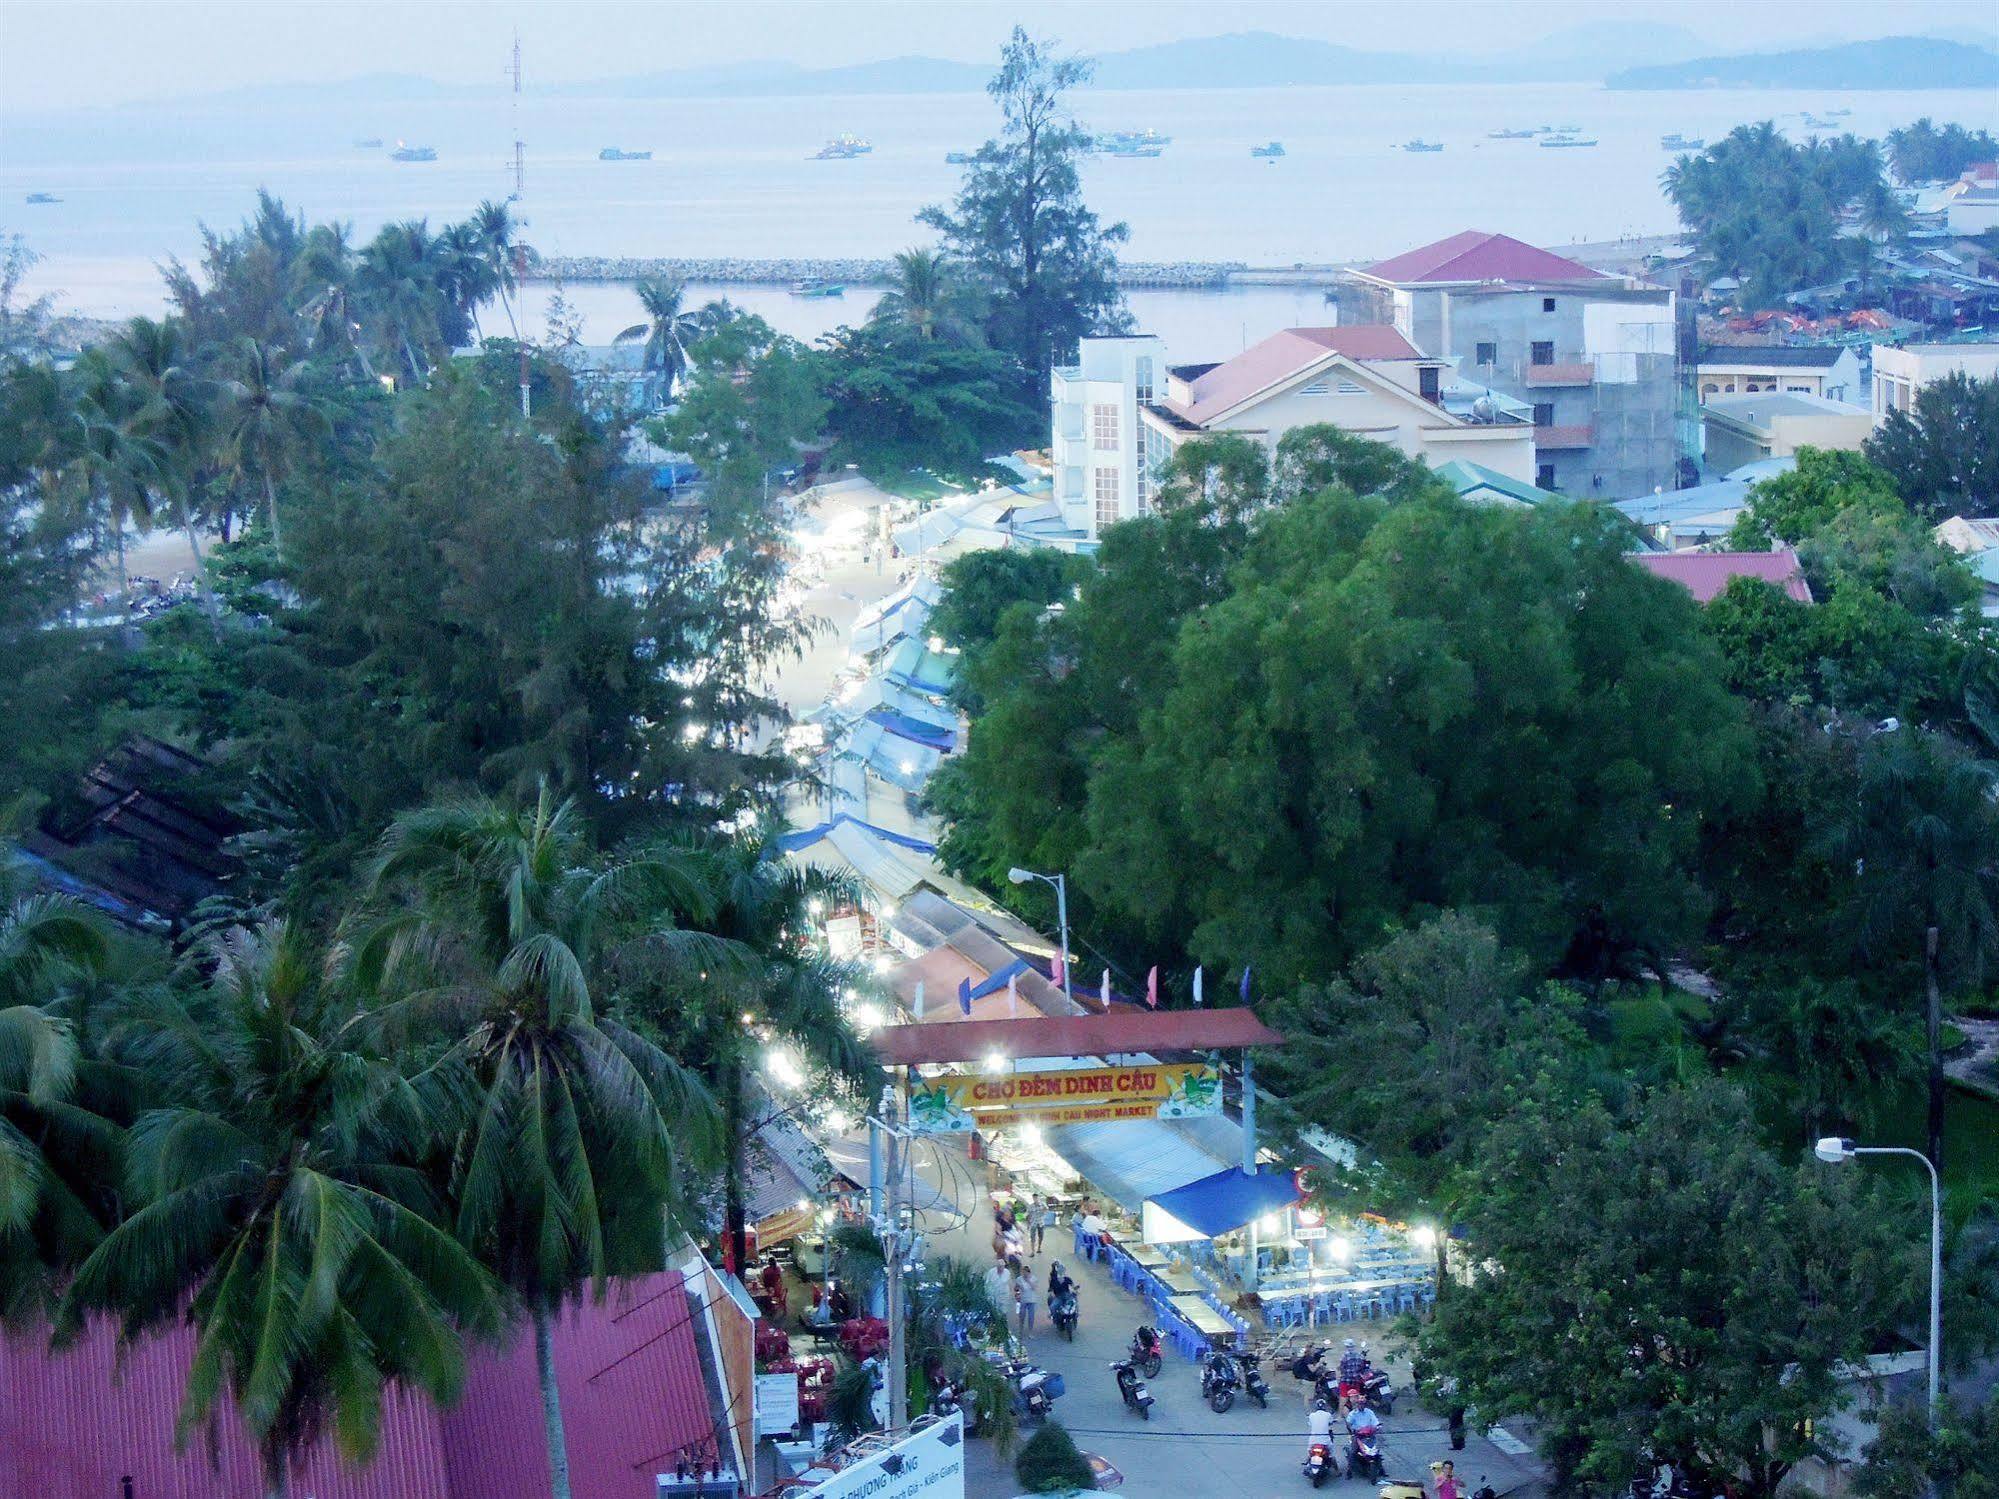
{"x": 1131, "y": 1160}
{"x": 1216, "y": 1205}
{"x": 1113, "y": 1034}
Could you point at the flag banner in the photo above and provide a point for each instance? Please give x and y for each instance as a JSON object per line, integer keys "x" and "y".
{"x": 1245, "y": 986}
{"x": 1107, "y": 988}
{"x": 1013, "y": 993}
{"x": 1197, "y": 988}
{"x": 965, "y": 995}
{"x": 1058, "y": 972}
{"x": 1152, "y": 987}
{"x": 919, "y": 999}
{"x": 1079, "y": 1095}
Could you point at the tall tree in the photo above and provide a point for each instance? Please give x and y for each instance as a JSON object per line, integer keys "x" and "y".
{"x": 280, "y": 1214}
{"x": 669, "y": 331}
{"x": 580, "y": 1130}
{"x": 267, "y": 408}
{"x": 1663, "y": 1289}
{"x": 924, "y": 295}
{"x": 1943, "y": 454}
{"x": 1020, "y": 228}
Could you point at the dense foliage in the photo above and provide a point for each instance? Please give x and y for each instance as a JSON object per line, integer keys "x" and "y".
{"x": 1767, "y": 211}
{"x": 1928, "y": 152}
{"x": 1943, "y": 454}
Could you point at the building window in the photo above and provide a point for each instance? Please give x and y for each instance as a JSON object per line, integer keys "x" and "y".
{"x": 1544, "y": 413}
{"x": 1107, "y": 497}
{"x": 1710, "y": 389}
{"x": 1547, "y": 304}
{"x": 1426, "y": 382}
{"x": 1103, "y": 428}
{"x": 1803, "y": 390}
{"x": 1142, "y": 377}
{"x": 1543, "y": 352}
{"x": 1488, "y": 354}
{"x": 1544, "y": 476}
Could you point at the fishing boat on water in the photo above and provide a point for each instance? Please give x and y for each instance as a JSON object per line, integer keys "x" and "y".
{"x": 843, "y": 148}
{"x": 1130, "y": 150}
{"x": 1678, "y": 142}
{"x": 1272, "y": 150}
{"x": 43, "y": 198}
{"x": 1560, "y": 141}
{"x": 1422, "y": 145}
{"x": 1511, "y": 135}
{"x": 371, "y": 143}
{"x": 813, "y": 286}
{"x": 957, "y": 158}
{"x": 612, "y": 153}
{"x": 1122, "y": 142}
{"x": 413, "y": 153}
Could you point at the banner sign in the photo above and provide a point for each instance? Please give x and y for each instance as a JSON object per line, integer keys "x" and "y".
{"x": 1080, "y": 1095}
{"x": 777, "y": 1404}
{"x": 929, "y": 1464}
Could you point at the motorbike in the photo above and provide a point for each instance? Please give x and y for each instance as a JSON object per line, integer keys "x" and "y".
{"x": 953, "y": 1396}
{"x": 1310, "y": 1365}
{"x": 1318, "y": 1462}
{"x": 1253, "y": 1383}
{"x": 1345, "y": 1394}
{"x": 1062, "y": 1311}
{"x": 1035, "y": 1389}
{"x": 1364, "y": 1459}
{"x": 1219, "y": 1381}
{"x": 1145, "y": 1352}
{"x": 1132, "y": 1389}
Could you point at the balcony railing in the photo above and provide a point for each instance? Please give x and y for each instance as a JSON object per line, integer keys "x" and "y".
{"x": 1577, "y": 435}
{"x": 1541, "y": 375}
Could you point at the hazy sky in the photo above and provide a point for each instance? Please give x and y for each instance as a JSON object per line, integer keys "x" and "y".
{"x": 62, "y": 53}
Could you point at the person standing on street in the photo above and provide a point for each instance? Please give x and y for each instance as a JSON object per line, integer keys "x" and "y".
{"x": 1034, "y": 1211}
{"x": 999, "y": 1288}
{"x": 1026, "y": 1298}
{"x": 1447, "y": 1481}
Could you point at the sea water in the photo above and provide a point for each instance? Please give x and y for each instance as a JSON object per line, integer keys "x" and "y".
{"x": 734, "y": 177}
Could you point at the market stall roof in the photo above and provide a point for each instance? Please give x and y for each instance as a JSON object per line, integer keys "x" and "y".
{"x": 1073, "y": 1036}
{"x": 1224, "y": 1202}
{"x": 1131, "y": 1160}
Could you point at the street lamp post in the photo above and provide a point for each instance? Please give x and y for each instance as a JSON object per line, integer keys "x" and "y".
{"x": 1061, "y": 884}
{"x": 1834, "y": 1149}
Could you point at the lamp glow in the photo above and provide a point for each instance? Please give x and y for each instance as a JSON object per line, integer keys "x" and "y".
{"x": 994, "y": 1064}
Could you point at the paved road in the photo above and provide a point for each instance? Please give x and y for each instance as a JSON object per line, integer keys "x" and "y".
{"x": 1185, "y": 1451}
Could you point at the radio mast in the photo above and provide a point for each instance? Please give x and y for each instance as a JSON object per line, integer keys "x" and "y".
{"x": 518, "y": 195}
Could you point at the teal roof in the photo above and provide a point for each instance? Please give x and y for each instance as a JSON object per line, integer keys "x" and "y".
{"x": 1469, "y": 479}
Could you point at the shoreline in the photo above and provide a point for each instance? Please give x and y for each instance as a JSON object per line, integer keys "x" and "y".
{"x": 1174, "y": 275}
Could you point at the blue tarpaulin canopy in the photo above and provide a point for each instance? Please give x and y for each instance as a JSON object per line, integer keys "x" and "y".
{"x": 1216, "y": 1205}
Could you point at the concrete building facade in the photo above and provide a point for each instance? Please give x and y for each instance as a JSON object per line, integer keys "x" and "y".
{"x": 1775, "y": 424}
{"x": 1095, "y": 440}
{"x": 1901, "y": 373}
{"x": 1836, "y": 373}
{"x": 1593, "y": 356}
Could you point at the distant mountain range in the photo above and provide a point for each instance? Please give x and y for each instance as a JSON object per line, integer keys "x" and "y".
{"x": 1894, "y": 62}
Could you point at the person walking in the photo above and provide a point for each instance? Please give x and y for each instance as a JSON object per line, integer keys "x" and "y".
{"x": 1034, "y": 1211}
{"x": 1447, "y": 1480}
{"x": 999, "y": 1289}
{"x": 1026, "y": 1298}
{"x": 1046, "y": 1222}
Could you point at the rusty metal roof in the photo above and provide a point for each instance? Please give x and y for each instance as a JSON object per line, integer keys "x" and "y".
{"x": 1073, "y": 1035}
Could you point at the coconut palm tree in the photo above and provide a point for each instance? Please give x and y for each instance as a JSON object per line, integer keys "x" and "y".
{"x": 924, "y": 295}
{"x": 495, "y": 232}
{"x": 281, "y": 1213}
{"x": 171, "y": 406}
{"x": 54, "y": 1153}
{"x": 326, "y": 293}
{"x": 267, "y": 407}
{"x": 571, "y": 1158}
{"x": 398, "y": 279}
{"x": 119, "y": 466}
{"x": 669, "y": 330}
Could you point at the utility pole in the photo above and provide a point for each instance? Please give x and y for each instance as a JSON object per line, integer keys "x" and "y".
{"x": 895, "y": 1249}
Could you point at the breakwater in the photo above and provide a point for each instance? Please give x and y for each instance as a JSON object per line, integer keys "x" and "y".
{"x": 737, "y": 271}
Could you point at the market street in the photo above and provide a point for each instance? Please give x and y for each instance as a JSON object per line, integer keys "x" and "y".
{"x": 1185, "y": 1449}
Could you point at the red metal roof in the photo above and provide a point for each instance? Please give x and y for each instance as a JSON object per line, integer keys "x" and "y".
{"x": 1072, "y": 1036}
{"x": 1474, "y": 255}
{"x": 1283, "y": 355}
{"x": 1706, "y": 574}
{"x": 633, "y": 1394}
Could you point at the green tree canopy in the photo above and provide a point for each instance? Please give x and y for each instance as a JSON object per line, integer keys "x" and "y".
{"x": 1943, "y": 454}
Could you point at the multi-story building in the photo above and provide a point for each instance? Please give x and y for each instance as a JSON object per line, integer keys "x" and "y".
{"x": 1803, "y": 370}
{"x": 1901, "y": 373}
{"x": 1593, "y": 356}
{"x": 1776, "y": 424}
{"x": 1121, "y": 411}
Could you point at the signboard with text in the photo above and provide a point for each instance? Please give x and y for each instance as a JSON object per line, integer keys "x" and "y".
{"x": 777, "y": 1403}
{"x": 928, "y": 1465}
{"x": 1078, "y": 1095}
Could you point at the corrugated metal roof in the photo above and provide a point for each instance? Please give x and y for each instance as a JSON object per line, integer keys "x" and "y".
{"x": 1476, "y": 255}
{"x": 633, "y": 1391}
{"x": 1706, "y": 574}
{"x": 1074, "y": 1035}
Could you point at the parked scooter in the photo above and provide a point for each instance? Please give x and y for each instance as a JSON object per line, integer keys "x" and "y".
{"x": 1219, "y": 1381}
{"x": 1146, "y": 1352}
{"x": 1253, "y": 1383}
{"x": 1035, "y": 1389}
{"x": 1062, "y": 1311}
{"x": 1132, "y": 1389}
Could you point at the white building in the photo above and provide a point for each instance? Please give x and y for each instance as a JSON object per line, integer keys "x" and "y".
{"x": 1120, "y": 412}
{"x": 1804, "y": 370}
{"x": 1900, "y": 373}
